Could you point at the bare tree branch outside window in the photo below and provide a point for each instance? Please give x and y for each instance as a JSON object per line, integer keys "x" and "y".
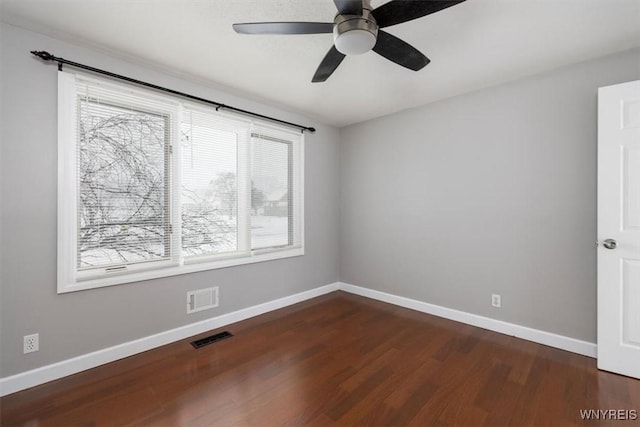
{"x": 123, "y": 185}
{"x": 124, "y": 188}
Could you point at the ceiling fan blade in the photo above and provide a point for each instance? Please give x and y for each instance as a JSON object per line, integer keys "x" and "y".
{"x": 398, "y": 11}
{"x": 332, "y": 59}
{"x": 400, "y": 52}
{"x": 349, "y": 7}
{"x": 284, "y": 28}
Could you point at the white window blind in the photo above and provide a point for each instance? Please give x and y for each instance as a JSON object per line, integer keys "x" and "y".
{"x": 152, "y": 186}
{"x": 213, "y": 161}
{"x": 123, "y": 177}
{"x": 271, "y": 192}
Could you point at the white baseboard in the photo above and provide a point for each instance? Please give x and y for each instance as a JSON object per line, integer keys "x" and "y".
{"x": 67, "y": 367}
{"x": 81, "y": 363}
{"x": 547, "y": 338}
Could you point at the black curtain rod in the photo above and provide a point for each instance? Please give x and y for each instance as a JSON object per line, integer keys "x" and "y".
{"x": 46, "y": 56}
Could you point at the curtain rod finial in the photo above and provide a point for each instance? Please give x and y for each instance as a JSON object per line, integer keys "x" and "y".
{"x": 43, "y": 54}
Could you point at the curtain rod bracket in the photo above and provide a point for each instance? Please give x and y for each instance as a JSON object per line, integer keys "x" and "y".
{"x": 46, "y": 56}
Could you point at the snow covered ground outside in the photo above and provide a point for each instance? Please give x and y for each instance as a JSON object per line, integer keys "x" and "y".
{"x": 269, "y": 231}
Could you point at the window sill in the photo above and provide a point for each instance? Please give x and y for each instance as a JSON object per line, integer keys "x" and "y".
{"x": 122, "y": 278}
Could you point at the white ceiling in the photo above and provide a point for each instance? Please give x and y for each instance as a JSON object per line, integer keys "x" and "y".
{"x": 475, "y": 44}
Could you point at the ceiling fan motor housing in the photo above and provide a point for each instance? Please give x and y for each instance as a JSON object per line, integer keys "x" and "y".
{"x": 355, "y": 34}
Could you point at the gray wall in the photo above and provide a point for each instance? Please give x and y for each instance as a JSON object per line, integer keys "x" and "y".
{"x": 81, "y": 322}
{"x": 490, "y": 192}
{"x": 493, "y": 191}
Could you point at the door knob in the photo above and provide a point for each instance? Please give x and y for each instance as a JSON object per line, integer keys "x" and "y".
{"x": 610, "y": 244}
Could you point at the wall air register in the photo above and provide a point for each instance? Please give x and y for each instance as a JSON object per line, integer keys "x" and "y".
{"x": 211, "y": 339}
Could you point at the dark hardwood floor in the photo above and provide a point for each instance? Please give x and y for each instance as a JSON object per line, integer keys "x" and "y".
{"x": 335, "y": 360}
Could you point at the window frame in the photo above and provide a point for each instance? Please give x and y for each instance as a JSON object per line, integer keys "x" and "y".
{"x": 70, "y": 279}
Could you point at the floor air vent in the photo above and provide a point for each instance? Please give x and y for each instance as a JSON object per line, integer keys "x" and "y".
{"x": 211, "y": 339}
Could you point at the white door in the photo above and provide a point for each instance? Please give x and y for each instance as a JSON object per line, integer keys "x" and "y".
{"x": 619, "y": 228}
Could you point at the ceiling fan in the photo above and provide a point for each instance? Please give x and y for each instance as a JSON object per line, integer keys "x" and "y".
{"x": 356, "y": 30}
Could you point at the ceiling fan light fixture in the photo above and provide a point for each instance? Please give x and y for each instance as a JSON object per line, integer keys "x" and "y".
{"x": 355, "y": 42}
{"x": 356, "y": 30}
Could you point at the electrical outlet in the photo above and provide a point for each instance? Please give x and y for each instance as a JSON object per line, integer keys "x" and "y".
{"x": 31, "y": 343}
{"x": 496, "y": 301}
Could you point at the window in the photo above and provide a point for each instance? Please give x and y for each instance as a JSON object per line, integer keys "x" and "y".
{"x": 152, "y": 186}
